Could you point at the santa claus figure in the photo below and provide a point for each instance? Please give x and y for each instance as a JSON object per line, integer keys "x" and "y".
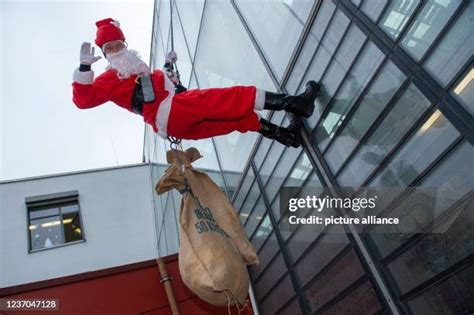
{"x": 193, "y": 114}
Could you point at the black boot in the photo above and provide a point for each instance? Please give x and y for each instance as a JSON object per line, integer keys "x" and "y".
{"x": 302, "y": 104}
{"x": 286, "y": 136}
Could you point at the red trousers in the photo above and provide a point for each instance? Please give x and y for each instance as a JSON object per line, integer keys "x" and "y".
{"x": 199, "y": 114}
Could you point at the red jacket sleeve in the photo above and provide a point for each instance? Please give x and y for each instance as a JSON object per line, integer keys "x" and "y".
{"x": 88, "y": 95}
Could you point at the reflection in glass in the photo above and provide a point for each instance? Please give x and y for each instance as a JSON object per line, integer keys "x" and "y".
{"x": 434, "y": 136}
{"x": 383, "y": 89}
{"x": 344, "y": 57}
{"x": 448, "y": 183}
{"x": 45, "y": 233}
{"x": 400, "y": 118}
{"x": 427, "y": 25}
{"x": 396, "y": 16}
{"x": 321, "y": 61}
{"x": 454, "y": 295}
{"x": 435, "y": 252}
{"x": 455, "y": 48}
{"x": 464, "y": 91}
{"x": 318, "y": 28}
{"x": 277, "y": 25}
{"x": 373, "y": 8}
{"x": 356, "y": 81}
{"x": 255, "y": 216}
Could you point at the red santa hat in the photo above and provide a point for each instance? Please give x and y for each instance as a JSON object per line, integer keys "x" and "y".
{"x": 107, "y": 31}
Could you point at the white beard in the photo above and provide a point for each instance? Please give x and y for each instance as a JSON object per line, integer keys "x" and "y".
{"x": 127, "y": 63}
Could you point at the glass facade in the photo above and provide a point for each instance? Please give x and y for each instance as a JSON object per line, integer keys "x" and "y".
{"x": 395, "y": 109}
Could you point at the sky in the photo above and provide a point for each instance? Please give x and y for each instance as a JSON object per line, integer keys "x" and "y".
{"x": 42, "y": 132}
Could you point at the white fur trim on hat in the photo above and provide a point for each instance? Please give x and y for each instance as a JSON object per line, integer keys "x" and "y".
{"x": 259, "y": 100}
{"x": 83, "y": 77}
{"x": 164, "y": 110}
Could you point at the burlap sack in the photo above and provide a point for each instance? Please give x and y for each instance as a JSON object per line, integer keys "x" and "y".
{"x": 214, "y": 248}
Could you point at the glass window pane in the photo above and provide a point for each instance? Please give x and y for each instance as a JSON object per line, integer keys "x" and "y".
{"x": 435, "y": 252}
{"x": 427, "y": 25}
{"x": 281, "y": 294}
{"x": 342, "y": 273}
{"x": 363, "y": 297}
{"x": 464, "y": 91}
{"x": 348, "y": 50}
{"x": 264, "y": 229}
{"x": 249, "y": 203}
{"x": 275, "y": 22}
{"x": 356, "y": 81}
{"x": 314, "y": 37}
{"x": 292, "y": 308}
{"x": 233, "y": 61}
{"x": 34, "y": 214}
{"x": 242, "y": 194}
{"x": 331, "y": 244}
{"x": 255, "y": 216}
{"x": 270, "y": 276}
{"x": 325, "y": 51}
{"x": 434, "y": 136}
{"x": 281, "y": 171}
{"x": 453, "y": 179}
{"x": 72, "y": 227}
{"x": 396, "y": 16}
{"x": 45, "y": 233}
{"x": 190, "y": 13}
{"x": 400, "y": 118}
{"x": 266, "y": 254}
{"x": 373, "y": 8}
{"x": 455, "y": 48}
{"x": 383, "y": 89}
{"x": 454, "y": 295}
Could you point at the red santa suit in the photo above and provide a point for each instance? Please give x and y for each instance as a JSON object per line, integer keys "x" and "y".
{"x": 194, "y": 114}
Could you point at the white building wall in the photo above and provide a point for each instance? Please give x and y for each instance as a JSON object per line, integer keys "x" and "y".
{"x": 117, "y": 219}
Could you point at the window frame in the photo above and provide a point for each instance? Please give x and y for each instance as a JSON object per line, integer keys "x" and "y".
{"x": 50, "y": 201}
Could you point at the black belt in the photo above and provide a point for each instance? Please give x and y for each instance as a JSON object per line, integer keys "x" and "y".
{"x": 138, "y": 99}
{"x": 143, "y": 93}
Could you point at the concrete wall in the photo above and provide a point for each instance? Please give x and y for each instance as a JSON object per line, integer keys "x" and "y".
{"x": 117, "y": 219}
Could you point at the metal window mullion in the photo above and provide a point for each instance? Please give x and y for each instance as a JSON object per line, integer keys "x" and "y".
{"x": 457, "y": 267}
{"x": 255, "y": 232}
{"x": 336, "y": 50}
{"x": 301, "y": 42}
{"x": 357, "y": 103}
{"x": 344, "y": 293}
{"x": 62, "y": 225}
{"x": 310, "y": 247}
{"x": 375, "y": 125}
{"x": 251, "y": 211}
{"x": 294, "y": 280}
{"x": 330, "y": 264}
{"x": 291, "y": 167}
{"x": 247, "y": 195}
{"x": 197, "y": 46}
{"x": 321, "y": 164}
{"x": 444, "y": 31}
{"x": 185, "y": 41}
{"x": 256, "y": 45}
{"x": 267, "y": 294}
{"x": 326, "y": 110}
{"x": 272, "y": 259}
{"x": 219, "y": 164}
{"x": 323, "y": 36}
{"x": 240, "y": 182}
{"x": 405, "y": 138}
{"x": 416, "y": 237}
